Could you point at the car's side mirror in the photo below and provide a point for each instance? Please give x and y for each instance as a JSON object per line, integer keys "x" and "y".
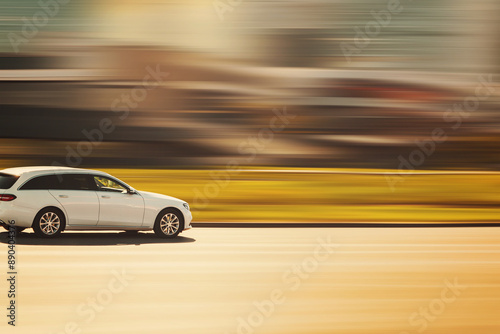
{"x": 131, "y": 191}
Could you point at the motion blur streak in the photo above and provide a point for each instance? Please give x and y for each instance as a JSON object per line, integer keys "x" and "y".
{"x": 394, "y": 280}
{"x": 63, "y": 63}
{"x": 403, "y": 86}
{"x": 326, "y": 195}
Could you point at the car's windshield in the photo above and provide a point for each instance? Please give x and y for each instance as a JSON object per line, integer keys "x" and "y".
{"x": 7, "y": 180}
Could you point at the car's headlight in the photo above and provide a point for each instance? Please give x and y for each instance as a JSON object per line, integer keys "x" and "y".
{"x": 186, "y": 206}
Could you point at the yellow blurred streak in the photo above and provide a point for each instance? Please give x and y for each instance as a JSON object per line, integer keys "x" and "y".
{"x": 324, "y": 195}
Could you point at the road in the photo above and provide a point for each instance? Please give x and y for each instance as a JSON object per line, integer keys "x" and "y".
{"x": 259, "y": 280}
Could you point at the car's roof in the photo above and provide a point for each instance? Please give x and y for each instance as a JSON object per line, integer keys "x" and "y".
{"x": 43, "y": 169}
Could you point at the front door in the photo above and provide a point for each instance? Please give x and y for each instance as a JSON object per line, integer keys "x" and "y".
{"x": 117, "y": 206}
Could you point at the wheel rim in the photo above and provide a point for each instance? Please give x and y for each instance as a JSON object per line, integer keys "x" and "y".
{"x": 169, "y": 224}
{"x": 50, "y": 223}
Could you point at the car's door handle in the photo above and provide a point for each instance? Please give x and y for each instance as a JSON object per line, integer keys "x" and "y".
{"x": 104, "y": 196}
{"x": 63, "y": 196}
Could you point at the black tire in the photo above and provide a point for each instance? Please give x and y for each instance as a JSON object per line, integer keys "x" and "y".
{"x": 49, "y": 223}
{"x": 169, "y": 223}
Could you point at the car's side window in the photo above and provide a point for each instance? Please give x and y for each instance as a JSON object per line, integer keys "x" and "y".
{"x": 76, "y": 182}
{"x": 60, "y": 182}
{"x": 42, "y": 183}
{"x": 106, "y": 184}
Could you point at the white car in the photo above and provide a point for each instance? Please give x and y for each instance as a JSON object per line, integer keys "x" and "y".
{"x": 54, "y": 199}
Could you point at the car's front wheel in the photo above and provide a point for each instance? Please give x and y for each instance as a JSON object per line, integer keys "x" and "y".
{"x": 169, "y": 223}
{"x": 49, "y": 223}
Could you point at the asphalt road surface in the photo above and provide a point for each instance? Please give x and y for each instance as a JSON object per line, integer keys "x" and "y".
{"x": 258, "y": 280}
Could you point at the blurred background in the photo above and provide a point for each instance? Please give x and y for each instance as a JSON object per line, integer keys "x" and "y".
{"x": 313, "y": 102}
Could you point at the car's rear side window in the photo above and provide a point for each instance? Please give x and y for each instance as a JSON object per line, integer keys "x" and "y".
{"x": 7, "y": 180}
{"x": 60, "y": 182}
{"x": 42, "y": 183}
{"x": 77, "y": 182}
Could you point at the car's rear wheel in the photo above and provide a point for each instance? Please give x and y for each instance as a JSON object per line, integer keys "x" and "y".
{"x": 49, "y": 223}
{"x": 169, "y": 223}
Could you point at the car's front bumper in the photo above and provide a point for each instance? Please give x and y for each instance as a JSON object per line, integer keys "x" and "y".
{"x": 188, "y": 217}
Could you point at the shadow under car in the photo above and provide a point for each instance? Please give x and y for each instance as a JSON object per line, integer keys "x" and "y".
{"x": 93, "y": 239}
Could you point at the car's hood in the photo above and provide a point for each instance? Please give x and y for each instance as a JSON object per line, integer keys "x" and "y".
{"x": 148, "y": 194}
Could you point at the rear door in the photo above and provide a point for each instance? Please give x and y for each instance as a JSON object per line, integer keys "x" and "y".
{"x": 77, "y": 194}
